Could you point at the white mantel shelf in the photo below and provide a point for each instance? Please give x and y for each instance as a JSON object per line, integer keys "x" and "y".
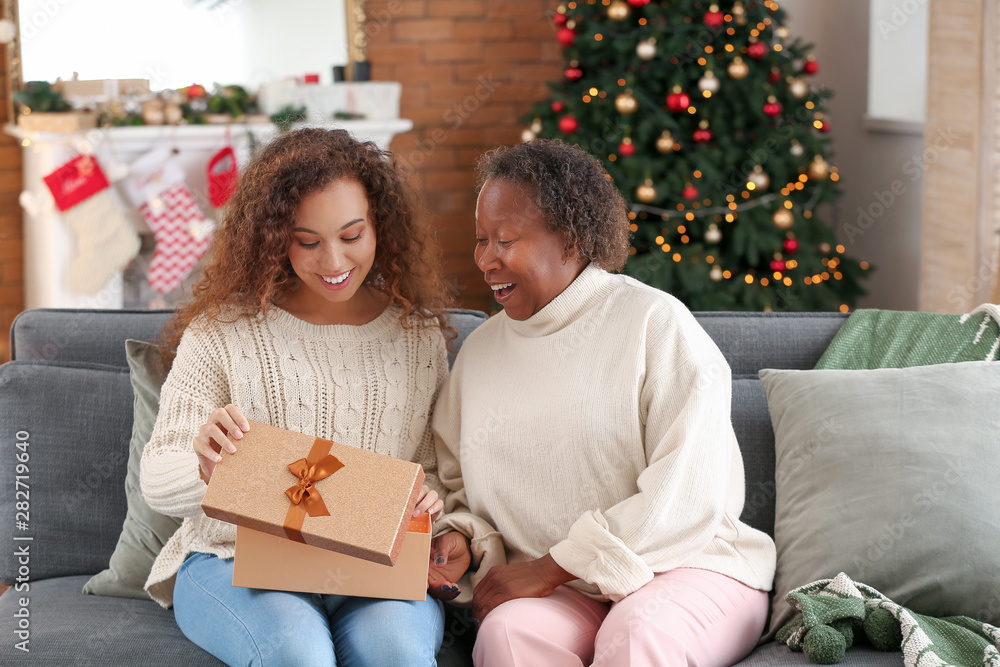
{"x": 49, "y": 245}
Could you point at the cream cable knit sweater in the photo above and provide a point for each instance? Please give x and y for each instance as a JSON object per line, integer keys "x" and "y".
{"x": 598, "y": 431}
{"x": 370, "y": 386}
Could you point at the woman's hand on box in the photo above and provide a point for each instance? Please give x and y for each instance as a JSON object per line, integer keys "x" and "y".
{"x": 217, "y": 434}
{"x": 428, "y": 502}
{"x": 450, "y": 558}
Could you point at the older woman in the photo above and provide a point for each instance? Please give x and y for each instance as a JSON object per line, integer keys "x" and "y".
{"x": 585, "y": 440}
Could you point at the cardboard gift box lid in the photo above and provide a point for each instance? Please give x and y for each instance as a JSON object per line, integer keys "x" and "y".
{"x": 269, "y": 562}
{"x": 339, "y": 498}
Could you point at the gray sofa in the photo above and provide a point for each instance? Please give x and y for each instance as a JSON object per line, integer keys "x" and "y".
{"x": 67, "y": 393}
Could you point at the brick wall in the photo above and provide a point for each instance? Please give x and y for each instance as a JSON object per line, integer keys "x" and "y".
{"x": 11, "y": 263}
{"x": 470, "y": 70}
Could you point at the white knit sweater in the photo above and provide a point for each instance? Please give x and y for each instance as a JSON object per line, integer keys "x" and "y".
{"x": 598, "y": 431}
{"x": 370, "y": 386}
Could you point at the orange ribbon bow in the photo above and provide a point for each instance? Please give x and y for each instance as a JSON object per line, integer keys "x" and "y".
{"x": 304, "y": 495}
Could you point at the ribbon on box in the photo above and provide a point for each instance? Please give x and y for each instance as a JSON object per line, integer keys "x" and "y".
{"x": 304, "y": 495}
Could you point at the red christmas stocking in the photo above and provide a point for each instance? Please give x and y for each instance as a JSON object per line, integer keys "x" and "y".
{"x": 181, "y": 232}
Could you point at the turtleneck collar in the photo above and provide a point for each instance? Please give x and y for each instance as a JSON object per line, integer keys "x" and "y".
{"x": 589, "y": 288}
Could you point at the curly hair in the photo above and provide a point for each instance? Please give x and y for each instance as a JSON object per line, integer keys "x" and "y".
{"x": 248, "y": 261}
{"x": 573, "y": 191}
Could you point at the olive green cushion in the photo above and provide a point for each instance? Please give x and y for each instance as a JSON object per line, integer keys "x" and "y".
{"x": 891, "y": 477}
{"x": 144, "y": 532}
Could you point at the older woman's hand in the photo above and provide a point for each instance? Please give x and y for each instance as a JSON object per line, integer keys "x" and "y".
{"x": 528, "y": 579}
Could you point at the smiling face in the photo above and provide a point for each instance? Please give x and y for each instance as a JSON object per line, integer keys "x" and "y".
{"x": 332, "y": 251}
{"x": 524, "y": 263}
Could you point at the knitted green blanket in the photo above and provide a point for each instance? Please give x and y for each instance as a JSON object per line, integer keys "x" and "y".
{"x": 833, "y": 610}
{"x": 899, "y": 339}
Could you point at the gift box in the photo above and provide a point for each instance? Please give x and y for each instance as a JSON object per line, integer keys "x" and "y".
{"x": 282, "y": 483}
{"x": 261, "y": 562}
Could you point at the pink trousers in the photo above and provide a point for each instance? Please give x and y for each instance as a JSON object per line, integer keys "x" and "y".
{"x": 683, "y": 617}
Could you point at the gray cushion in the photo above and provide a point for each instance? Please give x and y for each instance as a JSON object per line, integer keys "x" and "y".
{"x": 753, "y": 431}
{"x": 68, "y": 628}
{"x": 774, "y": 654}
{"x": 144, "y": 532}
{"x": 890, "y": 476}
{"x": 752, "y": 341}
{"x": 78, "y": 418}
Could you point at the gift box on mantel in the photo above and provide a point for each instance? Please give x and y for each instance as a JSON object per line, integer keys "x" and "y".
{"x": 316, "y": 492}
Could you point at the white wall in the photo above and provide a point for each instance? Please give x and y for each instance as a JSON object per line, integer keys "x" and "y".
{"x": 874, "y": 223}
{"x": 174, "y": 44}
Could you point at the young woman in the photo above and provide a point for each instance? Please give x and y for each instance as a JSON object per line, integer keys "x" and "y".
{"x": 320, "y": 311}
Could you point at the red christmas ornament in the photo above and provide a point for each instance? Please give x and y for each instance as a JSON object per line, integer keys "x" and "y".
{"x": 774, "y": 76}
{"x": 638, "y": 3}
{"x": 810, "y": 67}
{"x": 626, "y": 149}
{"x": 714, "y": 19}
{"x": 790, "y": 246}
{"x": 565, "y": 36}
{"x": 568, "y": 124}
{"x": 702, "y": 135}
{"x": 772, "y": 108}
{"x": 560, "y": 19}
{"x": 690, "y": 193}
{"x": 757, "y": 50}
{"x": 777, "y": 265}
{"x": 573, "y": 73}
{"x": 558, "y": 107}
{"x": 678, "y": 101}
{"x": 824, "y": 127}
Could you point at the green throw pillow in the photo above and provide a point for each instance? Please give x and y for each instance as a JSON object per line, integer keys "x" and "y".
{"x": 891, "y": 477}
{"x": 144, "y": 532}
{"x": 897, "y": 339}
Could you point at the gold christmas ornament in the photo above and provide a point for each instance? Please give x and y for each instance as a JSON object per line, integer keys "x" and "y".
{"x": 715, "y": 274}
{"x": 709, "y": 82}
{"x": 759, "y": 178}
{"x": 527, "y": 136}
{"x": 798, "y": 88}
{"x": 824, "y": 248}
{"x": 536, "y": 125}
{"x": 738, "y": 69}
{"x": 619, "y": 10}
{"x": 665, "y": 142}
{"x": 783, "y": 219}
{"x": 739, "y": 13}
{"x": 626, "y": 103}
{"x": 646, "y": 193}
{"x": 797, "y": 150}
{"x": 781, "y": 32}
{"x": 712, "y": 234}
{"x": 646, "y": 49}
{"x": 818, "y": 168}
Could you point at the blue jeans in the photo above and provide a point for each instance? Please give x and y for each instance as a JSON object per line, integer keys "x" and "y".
{"x": 247, "y": 626}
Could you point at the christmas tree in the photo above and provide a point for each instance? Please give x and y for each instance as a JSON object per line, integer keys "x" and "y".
{"x": 704, "y": 116}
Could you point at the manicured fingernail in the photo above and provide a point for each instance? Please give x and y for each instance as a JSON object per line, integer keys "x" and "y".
{"x": 245, "y": 426}
{"x": 439, "y": 560}
{"x": 416, "y": 512}
{"x": 238, "y": 434}
{"x": 217, "y": 458}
